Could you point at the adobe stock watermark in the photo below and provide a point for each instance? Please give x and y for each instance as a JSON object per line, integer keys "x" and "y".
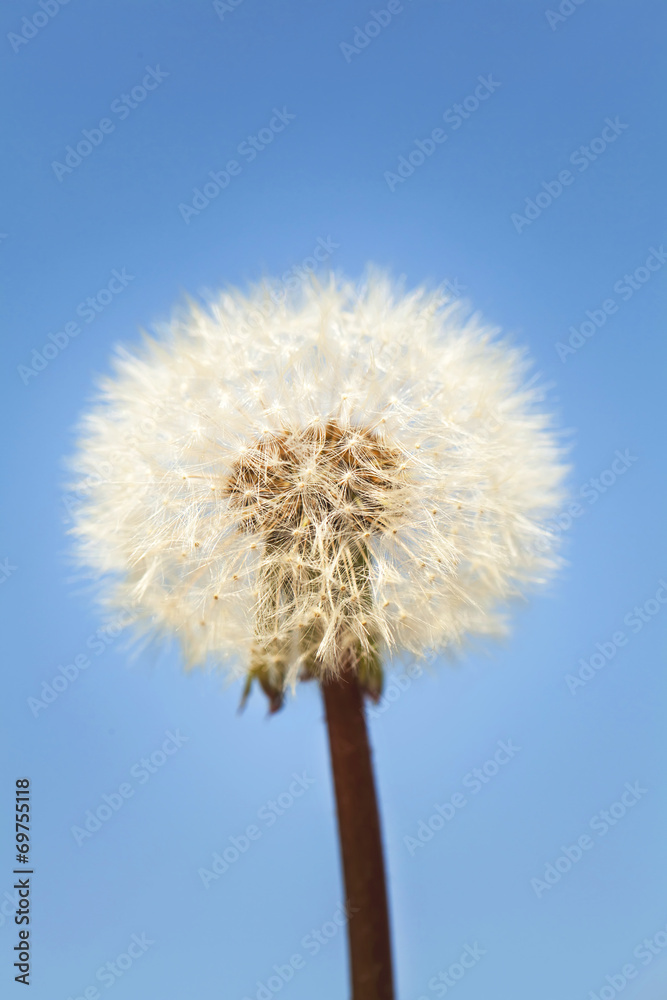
{"x": 378, "y": 20}
{"x": 7, "y": 569}
{"x": 474, "y": 781}
{"x": 97, "y": 643}
{"x": 601, "y": 823}
{"x": 447, "y": 979}
{"x": 104, "y": 470}
{"x": 590, "y": 491}
{"x": 88, "y": 310}
{"x": 9, "y": 906}
{"x": 645, "y": 952}
{"x": 605, "y": 651}
{"x": 312, "y": 943}
{"x": 109, "y": 973}
{"x": 222, "y": 7}
{"x": 268, "y": 815}
{"x": 31, "y": 26}
{"x": 121, "y": 107}
{"x": 566, "y": 8}
{"x": 625, "y": 287}
{"x": 296, "y": 275}
{"x": 278, "y": 290}
{"x": 396, "y": 687}
{"x": 581, "y": 158}
{"x": 452, "y": 290}
{"x": 390, "y": 354}
{"x": 453, "y": 116}
{"x": 249, "y": 149}
{"x": 142, "y": 771}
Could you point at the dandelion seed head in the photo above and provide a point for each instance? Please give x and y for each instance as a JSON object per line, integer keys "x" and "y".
{"x": 357, "y": 465}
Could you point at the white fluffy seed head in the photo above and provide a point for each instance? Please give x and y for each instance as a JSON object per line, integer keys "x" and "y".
{"x": 273, "y": 483}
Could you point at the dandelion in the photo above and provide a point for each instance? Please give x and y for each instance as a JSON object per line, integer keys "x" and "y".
{"x": 295, "y": 490}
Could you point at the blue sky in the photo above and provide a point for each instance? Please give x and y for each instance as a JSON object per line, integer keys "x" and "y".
{"x": 94, "y": 250}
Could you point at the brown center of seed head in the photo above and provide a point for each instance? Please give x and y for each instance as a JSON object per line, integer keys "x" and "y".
{"x": 294, "y": 481}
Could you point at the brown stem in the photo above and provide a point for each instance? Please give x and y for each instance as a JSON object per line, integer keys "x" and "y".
{"x": 360, "y": 838}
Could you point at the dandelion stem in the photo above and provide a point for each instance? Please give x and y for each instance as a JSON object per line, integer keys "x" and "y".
{"x": 371, "y": 974}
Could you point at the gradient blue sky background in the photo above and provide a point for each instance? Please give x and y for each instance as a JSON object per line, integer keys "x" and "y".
{"x": 323, "y": 176}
